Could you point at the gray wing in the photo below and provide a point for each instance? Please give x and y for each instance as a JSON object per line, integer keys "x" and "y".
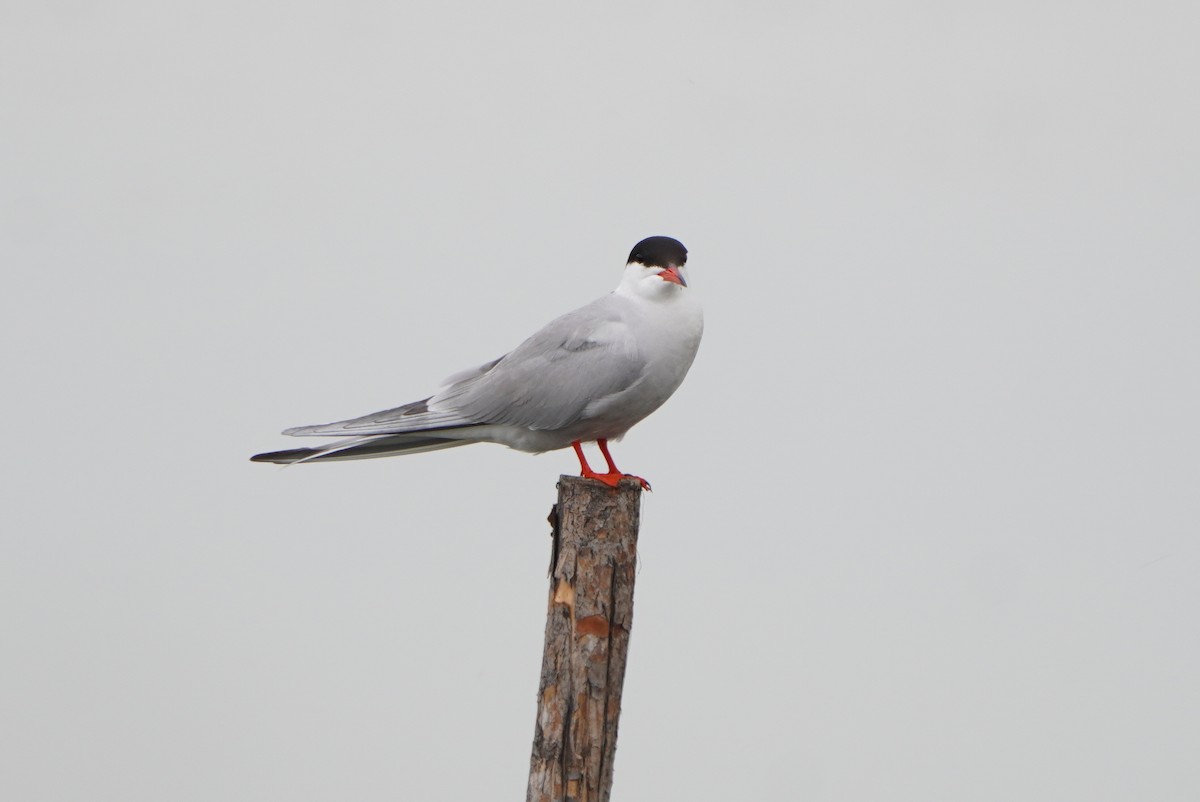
{"x": 550, "y": 380}
{"x": 547, "y": 382}
{"x": 414, "y": 417}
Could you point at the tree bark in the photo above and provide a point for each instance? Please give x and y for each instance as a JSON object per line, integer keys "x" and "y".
{"x": 590, "y": 613}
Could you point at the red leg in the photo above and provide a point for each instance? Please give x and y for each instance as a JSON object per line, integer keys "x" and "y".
{"x": 614, "y": 471}
{"x": 584, "y": 468}
{"x": 612, "y": 466}
{"x": 613, "y": 477}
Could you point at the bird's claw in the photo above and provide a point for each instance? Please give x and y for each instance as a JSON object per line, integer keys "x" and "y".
{"x": 613, "y": 479}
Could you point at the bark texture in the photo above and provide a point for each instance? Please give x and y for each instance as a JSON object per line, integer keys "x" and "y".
{"x": 587, "y": 640}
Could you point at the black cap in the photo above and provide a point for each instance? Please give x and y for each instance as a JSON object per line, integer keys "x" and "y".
{"x": 659, "y": 252}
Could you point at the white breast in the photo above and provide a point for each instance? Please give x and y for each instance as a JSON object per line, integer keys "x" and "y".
{"x": 667, "y": 331}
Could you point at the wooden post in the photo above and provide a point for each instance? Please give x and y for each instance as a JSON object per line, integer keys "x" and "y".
{"x": 587, "y": 640}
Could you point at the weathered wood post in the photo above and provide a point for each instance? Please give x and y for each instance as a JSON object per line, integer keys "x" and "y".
{"x": 592, "y": 570}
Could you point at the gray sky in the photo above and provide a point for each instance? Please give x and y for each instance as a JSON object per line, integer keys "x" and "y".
{"x": 925, "y": 511}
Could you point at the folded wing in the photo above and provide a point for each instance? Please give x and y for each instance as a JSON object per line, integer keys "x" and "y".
{"x": 556, "y": 377}
{"x": 549, "y": 382}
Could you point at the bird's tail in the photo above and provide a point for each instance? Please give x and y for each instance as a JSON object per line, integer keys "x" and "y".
{"x": 369, "y": 447}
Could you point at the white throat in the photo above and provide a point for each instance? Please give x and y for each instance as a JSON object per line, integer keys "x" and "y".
{"x": 643, "y": 282}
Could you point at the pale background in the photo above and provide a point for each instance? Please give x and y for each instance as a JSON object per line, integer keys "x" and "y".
{"x": 925, "y": 512}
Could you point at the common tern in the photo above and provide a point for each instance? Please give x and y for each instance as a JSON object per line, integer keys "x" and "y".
{"x": 589, "y": 375}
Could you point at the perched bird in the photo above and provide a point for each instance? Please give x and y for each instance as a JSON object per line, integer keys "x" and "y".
{"x": 588, "y": 375}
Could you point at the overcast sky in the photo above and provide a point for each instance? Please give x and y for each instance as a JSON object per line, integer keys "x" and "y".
{"x": 926, "y": 509}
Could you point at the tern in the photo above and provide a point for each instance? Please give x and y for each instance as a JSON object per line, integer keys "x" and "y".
{"x": 587, "y": 376}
